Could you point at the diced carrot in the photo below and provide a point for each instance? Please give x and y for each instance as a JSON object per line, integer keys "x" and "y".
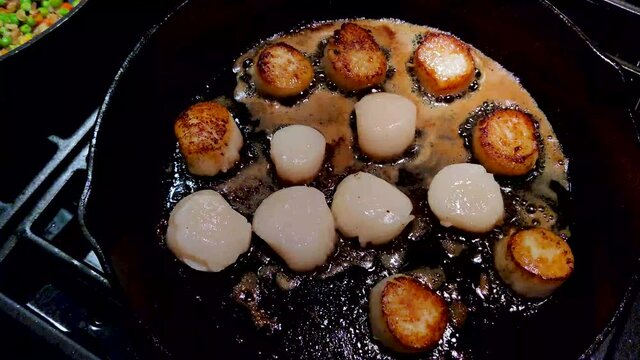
{"x": 67, "y": 6}
{"x": 49, "y": 21}
{"x": 38, "y": 18}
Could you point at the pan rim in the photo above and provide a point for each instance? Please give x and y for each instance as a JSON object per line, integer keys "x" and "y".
{"x": 611, "y": 329}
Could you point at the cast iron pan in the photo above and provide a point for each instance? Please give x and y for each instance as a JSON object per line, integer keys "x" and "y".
{"x": 188, "y": 57}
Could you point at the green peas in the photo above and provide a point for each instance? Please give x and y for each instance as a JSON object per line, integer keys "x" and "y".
{"x": 4, "y": 19}
{"x": 56, "y": 3}
{"x": 31, "y": 21}
{"x": 63, "y": 11}
{"x": 74, "y": 3}
{"x": 46, "y": 4}
{"x": 13, "y": 19}
{"x": 2, "y": 2}
{"x": 25, "y": 5}
{"x": 5, "y": 41}
{"x": 43, "y": 11}
{"x": 26, "y": 29}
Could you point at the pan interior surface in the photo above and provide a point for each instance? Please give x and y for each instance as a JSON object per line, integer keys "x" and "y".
{"x": 194, "y": 313}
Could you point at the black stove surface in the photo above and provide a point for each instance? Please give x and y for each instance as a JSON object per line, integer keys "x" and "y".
{"x": 54, "y": 298}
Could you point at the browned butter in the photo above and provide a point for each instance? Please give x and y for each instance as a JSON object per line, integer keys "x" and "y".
{"x": 438, "y": 142}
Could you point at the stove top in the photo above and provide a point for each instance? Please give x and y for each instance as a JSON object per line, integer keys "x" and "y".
{"x": 54, "y": 297}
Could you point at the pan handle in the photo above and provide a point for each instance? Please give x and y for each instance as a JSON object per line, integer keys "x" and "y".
{"x": 631, "y": 75}
{"x": 635, "y": 106}
{"x": 627, "y": 70}
{"x": 632, "y": 81}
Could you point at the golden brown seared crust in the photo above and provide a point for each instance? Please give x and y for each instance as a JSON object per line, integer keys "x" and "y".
{"x": 533, "y": 262}
{"x": 443, "y": 64}
{"x": 353, "y": 59}
{"x": 505, "y": 142}
{"x": 209, "y": 138}
{"x": 416, "y": 316}
{"x": 541, "y": 254}
{"x": 282, "y": 71}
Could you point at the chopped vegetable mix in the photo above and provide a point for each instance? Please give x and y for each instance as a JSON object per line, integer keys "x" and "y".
{"x": 21, "y": 20}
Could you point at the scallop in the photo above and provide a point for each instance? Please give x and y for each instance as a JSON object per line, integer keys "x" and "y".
{"x": 467, "y": 197}
{"x": 209, "y": 138}
{"x": 533, "y": 262}
{"x": 443, "y": 64}
{"x": 206, "y": 233}
{"x": 371, "y": 209}
{"x": 405, "y": 315}
{"x": 386, "y": 125}
{"x": 297, "y": 224}
{"x": 297, "y": 152}
{"x": 505, "y": 142}
{"x": 282, "y": 71}
{"x": 353, "y": 59}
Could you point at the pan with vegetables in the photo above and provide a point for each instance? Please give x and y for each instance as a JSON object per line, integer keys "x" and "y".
{"x": 22, "y": 20}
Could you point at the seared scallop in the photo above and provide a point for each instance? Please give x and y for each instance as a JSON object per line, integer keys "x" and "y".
{"x": 443, "y": 64}
{"x": 533, "y": 262}
{"x": 282, "y": 71}
{"x": 297, "y": 224}
{"x": 467, "y": 197}
{"x": 297, "y": 152}
{"x": 386, "y": 125}
{"x": 405, "y": 315}
{"x": 207, "y": 234}
{"x": 371, "y": 209}
{"x": 505, "y": 142}
{"x": 353, "y": 59}
{"x": 209, "y": 138}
